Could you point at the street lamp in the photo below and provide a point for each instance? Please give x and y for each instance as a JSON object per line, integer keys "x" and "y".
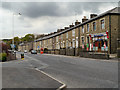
{"x": 13, "y": 29}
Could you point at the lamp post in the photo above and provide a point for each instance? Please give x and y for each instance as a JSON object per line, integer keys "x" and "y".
{"x": 13, "y": 30}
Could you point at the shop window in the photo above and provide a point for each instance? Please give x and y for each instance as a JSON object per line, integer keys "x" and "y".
{"x": 102, "y": 24}
{"x": 94, "y": 26}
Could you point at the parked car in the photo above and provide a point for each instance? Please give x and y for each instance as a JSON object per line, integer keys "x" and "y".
{"x": 25, "y": 51}
{"x": 33, "y": 52}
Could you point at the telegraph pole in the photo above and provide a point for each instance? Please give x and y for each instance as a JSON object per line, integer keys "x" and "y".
{"x": 118, "y": 39}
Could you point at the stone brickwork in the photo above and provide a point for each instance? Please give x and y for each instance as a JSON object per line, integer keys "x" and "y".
{"x": 94, "y": 55}
{"x": 97, "y": 34}
{"x": 57, "y": 51}
{"x": 114, "y": 31}
{"x": 62, "y": 51}
{"x": 70, "y": 52}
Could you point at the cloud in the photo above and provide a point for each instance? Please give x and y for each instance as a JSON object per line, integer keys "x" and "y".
{"x": 39, "y": 9}
{"x": 46, "y": 17}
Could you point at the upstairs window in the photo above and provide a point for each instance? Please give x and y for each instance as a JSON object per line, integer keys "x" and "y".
{"x": 62, "y": 37}
{"x": 67, "y": 35}
{"x": 102, "y": 24}
{"x": 87, "y": 27}
{"x": 94, "y": 26}
{"x": 57, "y": 39}
{"x": 73, "y": 32}
{"x": 82, "y": 29}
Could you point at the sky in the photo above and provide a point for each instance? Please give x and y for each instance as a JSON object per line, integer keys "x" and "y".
{"x": 45, "y": 17}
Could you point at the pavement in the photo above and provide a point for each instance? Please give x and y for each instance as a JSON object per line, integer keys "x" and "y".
{"x": 22, "y": 74}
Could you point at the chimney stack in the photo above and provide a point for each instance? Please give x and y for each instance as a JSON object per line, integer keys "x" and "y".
{"x": 71, "y": 25}
{"x": 84, "y": 19}
{"x": 66, "y": 27}
{"x": 76, "y": 23}
{"x": 58, "y": 30}
{"x": 93, "y": 15}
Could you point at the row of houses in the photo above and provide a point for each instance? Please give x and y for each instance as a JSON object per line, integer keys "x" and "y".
{"x": 97, "y": 34}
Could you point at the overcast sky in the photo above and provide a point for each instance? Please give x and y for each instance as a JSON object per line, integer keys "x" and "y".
{"x": 45, "y": 17}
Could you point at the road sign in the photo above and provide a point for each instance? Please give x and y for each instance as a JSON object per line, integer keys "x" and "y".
{"x": 38, "y": 46}
{"x": 12, "y": 45}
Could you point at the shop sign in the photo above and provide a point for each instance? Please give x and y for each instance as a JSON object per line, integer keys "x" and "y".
{"x": 98, "y": 35}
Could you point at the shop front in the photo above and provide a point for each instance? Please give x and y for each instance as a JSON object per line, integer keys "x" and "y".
{"x": 98, "y": 42}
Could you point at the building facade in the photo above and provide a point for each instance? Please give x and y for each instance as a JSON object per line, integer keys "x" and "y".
{"x": 97, "y": 34}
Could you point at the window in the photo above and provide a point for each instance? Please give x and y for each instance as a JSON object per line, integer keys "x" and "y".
{"x": 67, "y": 35}
{"x": 62, "y": 37}
{"x": 67, "y": 44}
{"x": 82, "y": 40}
{"x": 102, "y": 24}
{"x": 73, "y": 32}
{"x": 57, "y": 39}
{"x": 88, "y": 40}
{"x": 83, "y": 29}
{"x": 76, "y": 42}
{"x": 94, "y": 26}
{"x": 87, "y": 27}
{"x": 73, "y": 43}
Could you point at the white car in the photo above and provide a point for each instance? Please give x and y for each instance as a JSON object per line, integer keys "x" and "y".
{"x": 25, "y": 51}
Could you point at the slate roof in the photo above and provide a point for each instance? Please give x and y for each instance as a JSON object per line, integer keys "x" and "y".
{"x": 115, "y": 10}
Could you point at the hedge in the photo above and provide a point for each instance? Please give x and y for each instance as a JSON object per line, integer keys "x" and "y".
{"x": 3, "y": 57}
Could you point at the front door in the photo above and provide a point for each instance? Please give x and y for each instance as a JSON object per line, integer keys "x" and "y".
{"x": 99, "y": 45}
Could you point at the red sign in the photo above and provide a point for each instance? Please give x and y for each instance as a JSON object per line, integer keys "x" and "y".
{"x": 107, "y": 34}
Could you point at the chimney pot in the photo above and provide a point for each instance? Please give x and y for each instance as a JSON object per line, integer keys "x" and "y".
{"x": 76, "y": 23}
{"x": 93, "y": 15}
{"x": 71, "y": 25}
{"x": 84, "y": 19}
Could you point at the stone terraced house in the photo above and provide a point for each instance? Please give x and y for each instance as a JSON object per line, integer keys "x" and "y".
{"x": 98, "y": 34}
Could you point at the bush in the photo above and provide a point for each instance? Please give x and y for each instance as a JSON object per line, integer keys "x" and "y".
{"x": 3, "y": 57}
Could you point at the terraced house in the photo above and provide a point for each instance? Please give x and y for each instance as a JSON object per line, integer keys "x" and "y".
{"x": 97, "y": 34}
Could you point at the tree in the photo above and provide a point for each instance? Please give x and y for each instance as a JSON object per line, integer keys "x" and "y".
{"x": 16, "y": 42}
{"x": 4, "y": 48}
{"x": 27, "y": 38}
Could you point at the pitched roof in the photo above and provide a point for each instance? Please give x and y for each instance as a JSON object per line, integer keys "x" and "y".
{"x": 115, "y": 10}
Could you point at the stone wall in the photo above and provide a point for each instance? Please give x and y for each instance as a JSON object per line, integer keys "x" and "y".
{"x": 94, "y": 55}
{"x": 70, "y": 52}
{"x": 62, "y": 51}
{"x": 57, "y": 51}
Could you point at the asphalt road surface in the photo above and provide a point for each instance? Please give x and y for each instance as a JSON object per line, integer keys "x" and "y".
{"x": 76, "y": 72}
{"x": 24, "y": 74}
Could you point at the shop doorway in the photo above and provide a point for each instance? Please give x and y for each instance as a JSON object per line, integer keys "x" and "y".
{"x": 100, "y": 43}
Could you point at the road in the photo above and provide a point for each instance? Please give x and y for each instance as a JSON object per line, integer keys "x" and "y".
{"x": 76, "y": 72}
